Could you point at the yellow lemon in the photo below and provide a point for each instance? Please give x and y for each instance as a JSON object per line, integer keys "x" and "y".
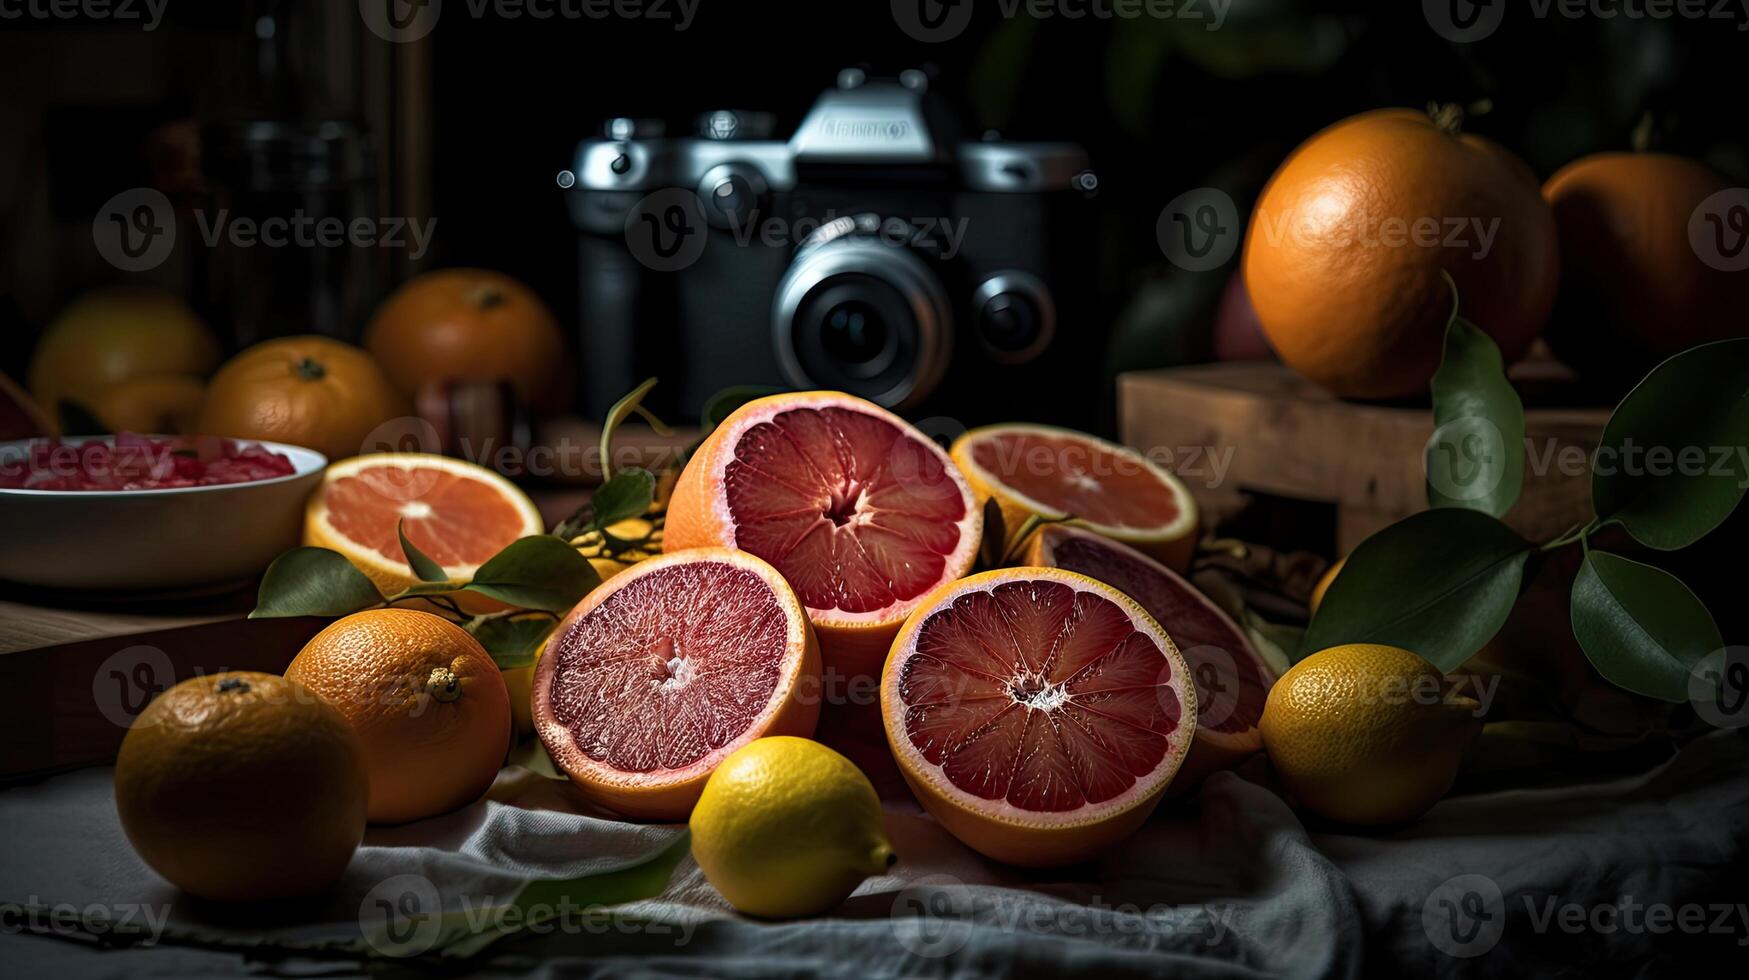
{"x": 1366, "y": 734}
{"x": 787, "y": 827}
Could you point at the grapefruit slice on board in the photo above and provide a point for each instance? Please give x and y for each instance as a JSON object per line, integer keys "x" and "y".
{"x": 1037, "y": 713}
{"x": 1054, "y": 473}
{"x": 457, "y": 513}
{"x": 662, "y": 672}
{"x": 863, "y": 514}
{"x": 1232, "y": 680}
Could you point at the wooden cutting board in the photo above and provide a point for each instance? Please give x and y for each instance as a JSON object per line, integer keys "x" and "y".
{"x": 74, "y": 671}
{"x": 1233, "y": 431}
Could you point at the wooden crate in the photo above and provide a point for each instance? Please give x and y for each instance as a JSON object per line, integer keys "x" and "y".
{"x": 1290, "y": 438}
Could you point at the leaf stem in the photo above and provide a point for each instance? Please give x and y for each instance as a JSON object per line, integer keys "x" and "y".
{"x": 1577, "y": 532}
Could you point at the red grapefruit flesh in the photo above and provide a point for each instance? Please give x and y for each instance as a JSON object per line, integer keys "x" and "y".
{"x": 667, "y": 668}
{"x": 860, "y": 512}
{"x": 1037, "y": 713}
{"x": 1038, "y": 470}
{"x": 1232, "y": 680}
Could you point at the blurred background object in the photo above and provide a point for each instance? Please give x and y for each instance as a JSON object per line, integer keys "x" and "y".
{"x": 267, "y": 109}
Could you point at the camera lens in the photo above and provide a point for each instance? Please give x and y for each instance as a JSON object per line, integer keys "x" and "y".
{"x": 1009, "y": 322}
{"x": 1013, "y": 316}
{"x": 862, "y": 316}
{"x": 855, "y": 334}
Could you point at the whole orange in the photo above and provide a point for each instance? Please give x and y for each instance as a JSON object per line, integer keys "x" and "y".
{"x": 112, "y": 334}
{"x": 467, "y": 325}
{"x": 308, "y": 391}
{"x": 1634, "y": 289}
{"x": 242, "y": 786}
{"x": 157, "y": 403}
{"x": 1346, "y": 245}
{"x": 426, "y": 699}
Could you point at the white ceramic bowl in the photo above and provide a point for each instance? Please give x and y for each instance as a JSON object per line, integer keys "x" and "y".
{"x": 152, "y": 540}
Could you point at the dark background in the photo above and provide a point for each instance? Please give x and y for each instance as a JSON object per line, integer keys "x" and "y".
{"x": 1162, "y": 105}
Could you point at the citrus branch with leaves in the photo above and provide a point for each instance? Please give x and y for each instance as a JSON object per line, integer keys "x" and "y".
{"x": 1442, "y": 582}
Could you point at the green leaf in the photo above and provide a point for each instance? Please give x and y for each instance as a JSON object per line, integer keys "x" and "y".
{"x": 1672, "y": 463}
{"x": 628, "y": 494}
{"x": 1642, "y": 628}
{"x": 1475, "y": 458}
{"x": 423, "y": 566}
{"x": 512, "y": 640}
{"x": 313, "y": 582}
{"x": 1439, "y": 583}
{"x": 540, "y": 901}
{"x": 536, "y": 572}
{"x": 427, "y": 588}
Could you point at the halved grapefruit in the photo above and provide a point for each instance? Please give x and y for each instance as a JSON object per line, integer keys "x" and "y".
{"x": 863, "y": 514}
{"x": 1055, "y": 473}
{"x": 1232, "y": 680}
{"x": 1037, "y": 713}
{"x": 664, "y": 671}
{"x": 457, "y": 513}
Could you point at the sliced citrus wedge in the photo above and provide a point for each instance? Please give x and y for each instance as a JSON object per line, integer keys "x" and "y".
{"x": 1037, "y": 713}
{"x": 661, "y": 673}
{"x": 863, "y": 514}
{"x": 1055, "y": 473}
{"x": 1232, "y": 680}
{"x": 457, "y": 513}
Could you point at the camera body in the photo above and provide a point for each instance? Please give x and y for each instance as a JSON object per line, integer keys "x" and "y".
{"x": 871, "y": 252}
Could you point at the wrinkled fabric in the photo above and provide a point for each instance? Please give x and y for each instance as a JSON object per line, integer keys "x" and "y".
{"x": 1230, "y": 884}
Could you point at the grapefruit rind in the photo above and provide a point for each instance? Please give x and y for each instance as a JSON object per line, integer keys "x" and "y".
{"x": 699, "y": 516}
{"x": 393, "y": 576}
{"x": 1171, "y": 543}
{"x": 792, "y": 708}
{"x": 998, "y": 829}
